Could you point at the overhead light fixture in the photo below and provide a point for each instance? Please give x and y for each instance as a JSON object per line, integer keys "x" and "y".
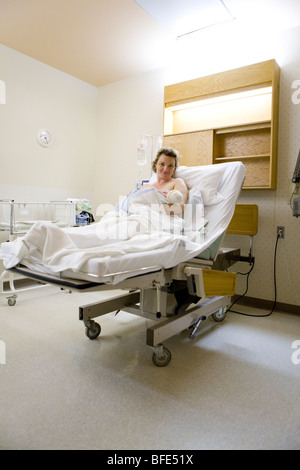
{"x": 222, "y": 98}
{"x": 183, "y": 17}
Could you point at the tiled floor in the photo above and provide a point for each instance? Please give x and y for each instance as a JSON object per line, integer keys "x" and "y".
{"x": 235, "y": 387}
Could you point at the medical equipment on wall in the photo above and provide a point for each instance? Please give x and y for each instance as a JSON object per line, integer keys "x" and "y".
{"x": 147, "y": 148}
{"x": 296, "y": 206}
{"x": 295, "y": 197}
{"x": 296, "y": 175}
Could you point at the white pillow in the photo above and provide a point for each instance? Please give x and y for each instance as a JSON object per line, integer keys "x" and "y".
{"x": 206, "y": 178}
{"x": 194, "y": 214}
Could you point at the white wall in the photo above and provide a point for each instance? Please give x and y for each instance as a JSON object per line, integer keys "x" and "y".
{"x": 41, "y": 97}
{"x": 134, "y": 106}
{"x": 127, "y": 109}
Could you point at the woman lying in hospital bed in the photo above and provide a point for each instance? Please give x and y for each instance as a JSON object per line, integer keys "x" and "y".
{"x": 140, "y": 231}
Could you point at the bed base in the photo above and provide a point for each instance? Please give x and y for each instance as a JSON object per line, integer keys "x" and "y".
{"x": 174, "y": 308}
{"x": 174, "y": 298}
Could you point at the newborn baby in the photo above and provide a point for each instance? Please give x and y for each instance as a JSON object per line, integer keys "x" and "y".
{"x": 174, "y": 197}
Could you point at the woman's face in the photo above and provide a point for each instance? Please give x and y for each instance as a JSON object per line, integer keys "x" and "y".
{"x": 165, "y": 167}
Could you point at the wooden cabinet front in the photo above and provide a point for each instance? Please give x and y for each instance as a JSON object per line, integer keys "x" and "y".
{"x": 229, "y": 116}
{"x": 195, "y": 148}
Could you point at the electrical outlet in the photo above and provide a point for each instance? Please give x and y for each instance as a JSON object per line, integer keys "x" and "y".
{"x": 280, "y": 231}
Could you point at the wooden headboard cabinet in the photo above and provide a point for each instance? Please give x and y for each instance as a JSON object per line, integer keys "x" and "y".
{"x": 228, "y": 116}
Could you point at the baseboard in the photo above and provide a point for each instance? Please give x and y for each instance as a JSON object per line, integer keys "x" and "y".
{"x": 267, "y": 304}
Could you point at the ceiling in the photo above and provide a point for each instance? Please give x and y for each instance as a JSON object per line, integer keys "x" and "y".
{"x": 103, "y": 41}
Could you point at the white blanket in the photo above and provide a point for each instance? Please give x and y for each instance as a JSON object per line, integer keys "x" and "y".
{"x": 139, "y": 224}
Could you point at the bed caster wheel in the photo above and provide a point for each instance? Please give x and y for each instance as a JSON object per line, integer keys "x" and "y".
{"x": 219, "y": 315}
{"x": 12, "y": 300}
{"x": 161, "y": 357}
{"x": 92, "y": 330}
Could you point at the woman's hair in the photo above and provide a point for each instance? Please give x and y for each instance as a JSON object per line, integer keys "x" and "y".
{"x": 169, "y": 152}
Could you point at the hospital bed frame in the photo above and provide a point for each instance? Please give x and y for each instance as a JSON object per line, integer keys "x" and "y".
{"x": 61, "y": 212}
{"x": 177, "y": 298}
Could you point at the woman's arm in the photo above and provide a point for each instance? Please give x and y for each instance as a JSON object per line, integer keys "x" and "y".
{"x": 181, "y": 186}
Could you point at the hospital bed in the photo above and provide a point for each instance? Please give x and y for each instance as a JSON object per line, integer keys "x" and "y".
{"x": 179, "y": 285}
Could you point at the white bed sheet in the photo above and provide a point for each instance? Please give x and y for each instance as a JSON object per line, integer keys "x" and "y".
{"x": 219, "y": 185}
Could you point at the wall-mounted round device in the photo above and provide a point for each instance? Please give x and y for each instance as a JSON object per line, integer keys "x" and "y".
{"x": 44, "y": 138}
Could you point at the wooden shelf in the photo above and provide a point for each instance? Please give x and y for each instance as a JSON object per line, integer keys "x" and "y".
{"x": 250, "y": 145}
{"x": 245, "y": 127}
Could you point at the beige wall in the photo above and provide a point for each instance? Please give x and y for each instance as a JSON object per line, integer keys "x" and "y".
{"x": 40, "y": 97}
{"x": 127, "y": 109}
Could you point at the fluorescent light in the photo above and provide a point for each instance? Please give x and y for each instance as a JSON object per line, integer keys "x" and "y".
{"x": 222, "y": 98}
{"x": 183, "y": 17}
